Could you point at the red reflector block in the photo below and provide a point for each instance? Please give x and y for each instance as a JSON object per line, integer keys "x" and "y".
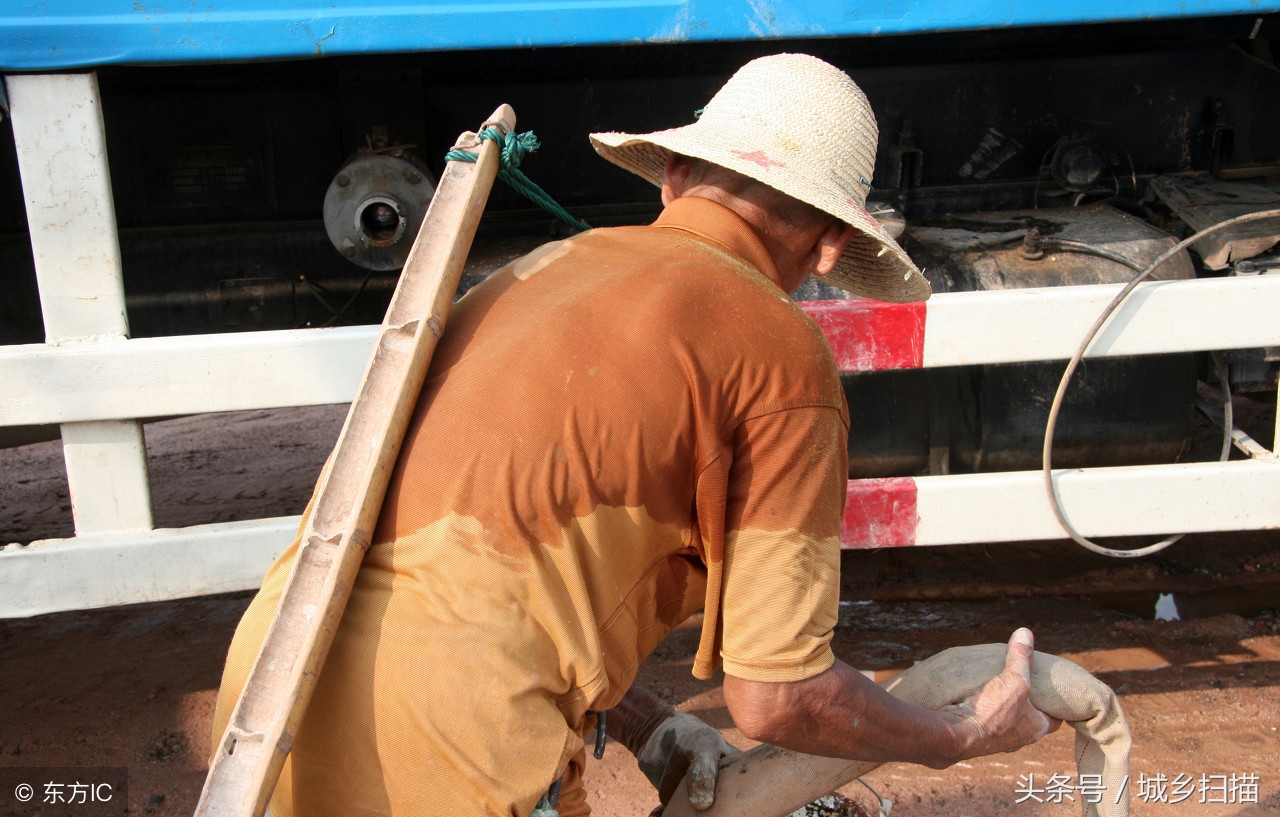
{"x": 871, "y": 336}
{"x": 879, "y": 513}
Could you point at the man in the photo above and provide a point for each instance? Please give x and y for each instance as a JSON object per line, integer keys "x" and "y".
{"x": 618, "y": 430}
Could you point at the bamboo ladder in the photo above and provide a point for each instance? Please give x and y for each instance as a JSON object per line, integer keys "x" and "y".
{"x": 349, "y": 497}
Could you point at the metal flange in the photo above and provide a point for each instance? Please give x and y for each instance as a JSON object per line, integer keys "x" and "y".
{"x": 375, "y": 205}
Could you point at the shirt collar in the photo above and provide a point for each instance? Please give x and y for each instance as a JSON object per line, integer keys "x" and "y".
{"x": 714, "y": 222}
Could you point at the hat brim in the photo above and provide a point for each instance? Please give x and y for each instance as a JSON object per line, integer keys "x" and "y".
{"x": 872, "y": 265}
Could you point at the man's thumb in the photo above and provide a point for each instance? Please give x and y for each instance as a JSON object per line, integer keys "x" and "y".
{"x": 1022, "y": 647}
{"x": 702, "y": 782}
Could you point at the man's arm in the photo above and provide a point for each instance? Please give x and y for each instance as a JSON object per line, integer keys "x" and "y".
{"x": 842, "y": 713}
{"x": 669, "y": 745}
{"x": 636, "y": 716}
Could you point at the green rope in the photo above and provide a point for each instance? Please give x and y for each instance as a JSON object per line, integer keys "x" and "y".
{"x": 514, "y": 149}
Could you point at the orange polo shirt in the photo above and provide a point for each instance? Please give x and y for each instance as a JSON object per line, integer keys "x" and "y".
{"x": 617, "y": 430}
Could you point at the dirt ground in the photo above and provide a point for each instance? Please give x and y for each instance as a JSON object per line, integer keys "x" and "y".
{"x": 134, "y": 687}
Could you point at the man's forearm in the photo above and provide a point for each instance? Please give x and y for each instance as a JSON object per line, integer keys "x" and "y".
{"x": 842, "y": 713}
{"x": 633, "y": 720}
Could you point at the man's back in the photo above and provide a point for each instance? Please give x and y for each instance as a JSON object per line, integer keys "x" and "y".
{"x": 581, "y": 451}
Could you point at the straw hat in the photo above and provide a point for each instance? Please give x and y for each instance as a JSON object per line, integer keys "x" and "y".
{"x": 804, "y": 128}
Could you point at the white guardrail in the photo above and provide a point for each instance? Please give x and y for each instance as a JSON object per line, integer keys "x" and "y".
{"x": 96, "y": 382}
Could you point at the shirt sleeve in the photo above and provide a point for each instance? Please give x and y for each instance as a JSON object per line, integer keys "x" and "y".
{"x": 781, "y": 586}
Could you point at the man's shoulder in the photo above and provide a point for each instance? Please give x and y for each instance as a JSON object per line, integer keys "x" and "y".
{"x": 686, "y": 260}
{"x": 705, "y": 290}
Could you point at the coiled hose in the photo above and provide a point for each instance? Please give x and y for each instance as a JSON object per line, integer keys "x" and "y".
{"x": 1055, "y": 500}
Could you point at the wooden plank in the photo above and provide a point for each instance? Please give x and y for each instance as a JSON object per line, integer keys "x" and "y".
{"x": 186, "y": 374}
{"x": 1047, "y": 323}
{"x": 109, "y": 569}
{"x": 1139, "y": 500}
{"x": 107, "y": 477}
{"x": 349, "y": 497}
{"x": 194, "y": 374}
{"x": 61, "y": 143}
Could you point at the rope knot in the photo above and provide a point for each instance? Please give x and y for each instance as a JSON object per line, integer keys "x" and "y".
{"x": 515, "y": 147}
{"x": 512, "y": 151}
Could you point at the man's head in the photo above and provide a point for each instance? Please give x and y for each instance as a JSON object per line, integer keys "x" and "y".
{"x": 801, "y": 239}
{"x": 800, "y": 127}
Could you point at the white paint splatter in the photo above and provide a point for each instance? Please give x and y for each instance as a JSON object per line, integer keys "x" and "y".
{"x": 679, "y": 28}
{"x": 765, "y": 23}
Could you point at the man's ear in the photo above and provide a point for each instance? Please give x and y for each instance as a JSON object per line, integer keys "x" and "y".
{"x": 675, "y": 178}
{"x": 830, "y": 246}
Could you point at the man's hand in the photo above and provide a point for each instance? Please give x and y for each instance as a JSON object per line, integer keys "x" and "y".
{"x": 1001, "y": 716}
{"x": 682, "y": 745}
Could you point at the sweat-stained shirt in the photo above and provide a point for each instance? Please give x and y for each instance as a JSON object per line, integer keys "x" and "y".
{"x": 617, "y": 430}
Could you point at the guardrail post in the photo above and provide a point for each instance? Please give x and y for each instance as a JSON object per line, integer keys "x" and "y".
{"x": 62, "y": 158}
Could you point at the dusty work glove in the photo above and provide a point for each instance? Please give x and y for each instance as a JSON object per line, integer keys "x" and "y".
{"x": 683, "y": 744}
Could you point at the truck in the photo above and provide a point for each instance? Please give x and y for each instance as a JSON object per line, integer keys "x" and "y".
{"x": 204, "y": 207}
